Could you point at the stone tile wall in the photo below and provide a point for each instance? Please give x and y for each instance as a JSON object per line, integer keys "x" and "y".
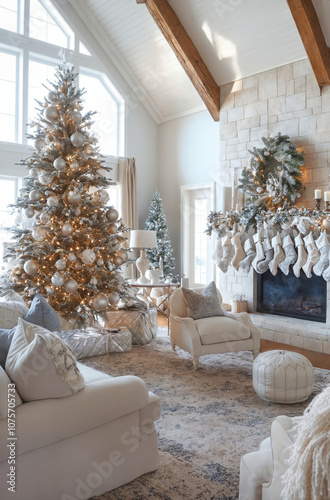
{"x": 286, "y": 100}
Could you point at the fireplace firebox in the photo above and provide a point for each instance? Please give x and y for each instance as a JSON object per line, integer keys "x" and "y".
{"x": 303, "y": 298}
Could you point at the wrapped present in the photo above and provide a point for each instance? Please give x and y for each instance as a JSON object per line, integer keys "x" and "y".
{"x": 96, "y": 341}
{"x": 142, "y": 323}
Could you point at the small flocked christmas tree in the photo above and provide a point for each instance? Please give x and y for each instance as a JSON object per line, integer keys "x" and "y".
{"x": 162, "y": 257}
{"x": 73, "y": 251}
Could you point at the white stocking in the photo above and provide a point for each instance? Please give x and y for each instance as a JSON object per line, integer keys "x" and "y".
{"x": 278, "y": 254}
{"x": 322, "y": 244}
{"x": 259, "y": 250}
{"x": 228, "y": 253}
{"x": 217, "y": 250}
{"x": 302, "y": 255}
{"x": 313, "y": 255}
{"x": 263, "y": 265}
{"x": 239, "y": 252}
{"x": 290, "y": 255}
{"x": 245, "y": 264}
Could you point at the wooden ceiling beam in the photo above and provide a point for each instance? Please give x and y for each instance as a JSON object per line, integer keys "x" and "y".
{"x": 184, "y": 49}
{"x": 311, "y": 34}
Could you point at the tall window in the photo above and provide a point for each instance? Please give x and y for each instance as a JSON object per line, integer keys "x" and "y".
{"x": 39, "y": 73}
{"x": 8, "y": 95}
{"x": 48, "y": 26}
{"x": 196, "y": 201}
{"x": 9, "y": 15}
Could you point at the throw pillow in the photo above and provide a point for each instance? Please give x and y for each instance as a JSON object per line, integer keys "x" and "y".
{"x": 203, "y": 305}
{"x": 42, "y": 314}
{"x": 10, "y": 312}
{"x": 12, "y": 296}
{"x": 41, "y": 365}
{"x": 9, "y": 398}
{"x": 5, "y": 341}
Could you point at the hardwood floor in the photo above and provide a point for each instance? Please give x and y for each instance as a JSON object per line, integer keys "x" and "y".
{"x": 317, "y": 359}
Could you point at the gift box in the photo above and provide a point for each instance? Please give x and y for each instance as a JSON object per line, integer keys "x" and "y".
{"x": 142, "y": 323}
{"x": 96, "y": 341}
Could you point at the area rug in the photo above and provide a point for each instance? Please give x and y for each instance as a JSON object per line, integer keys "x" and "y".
{"x": 210, "y": 418}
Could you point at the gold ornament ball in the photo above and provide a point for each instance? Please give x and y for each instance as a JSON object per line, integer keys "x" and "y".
{"x": 31, "y": 267}
{"x": 100, "y": 302}
{"x": 71, "y": 285}
{"x": 67, "y": 229}
{"x": 123, "y": 255}
{"x": 112, "y": 214}
{"x": 113, "y": 298}
{"x": 29, "y": 212}
{"x": 51, "y": 113}
{"x": 39, "y": 233}
{"x": 60, "y": 164}
{"x": 88, "y": 256}
{"x": 326, "y": 223}
{"x": 77, "y": 139}
{"x": 113, "y": 228}
{"x": 34, "y": 195}
{"x": 51, "y": 96}
{"x": 118, "y": 261}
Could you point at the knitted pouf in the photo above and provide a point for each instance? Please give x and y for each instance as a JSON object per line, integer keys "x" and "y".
{"x": 282, "y": 376}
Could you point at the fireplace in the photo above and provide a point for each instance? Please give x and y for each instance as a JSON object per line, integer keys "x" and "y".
{"x": 304, "y": 298}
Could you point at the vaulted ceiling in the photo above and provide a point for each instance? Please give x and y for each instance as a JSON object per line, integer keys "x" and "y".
{"x": 235, "y": 38}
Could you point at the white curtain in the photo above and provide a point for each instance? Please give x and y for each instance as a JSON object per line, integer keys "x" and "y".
{"x": 128, "y": 192}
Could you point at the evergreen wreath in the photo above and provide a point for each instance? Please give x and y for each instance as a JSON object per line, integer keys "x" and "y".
{"x": 273, "y": 178}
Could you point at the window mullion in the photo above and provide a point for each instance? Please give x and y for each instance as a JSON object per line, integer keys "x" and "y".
{"x": 26, "y": 22}
{"x": 25, "y": 93}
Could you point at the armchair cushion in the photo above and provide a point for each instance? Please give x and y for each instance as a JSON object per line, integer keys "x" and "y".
{"x": 203, "y": 305}
{"x": 40, "y": 364}
{"x": 221, "y": 329}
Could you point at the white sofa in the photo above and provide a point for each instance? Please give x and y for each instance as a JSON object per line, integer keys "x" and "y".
{"x": 83, "y": 445}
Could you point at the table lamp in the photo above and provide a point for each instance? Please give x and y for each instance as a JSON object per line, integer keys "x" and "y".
{"x": 143, "y": 239}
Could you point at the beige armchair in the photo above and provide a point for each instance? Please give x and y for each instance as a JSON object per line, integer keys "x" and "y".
{"x": 212, "y": 335}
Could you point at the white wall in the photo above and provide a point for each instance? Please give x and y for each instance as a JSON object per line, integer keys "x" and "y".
{"x": 188, "y": 153}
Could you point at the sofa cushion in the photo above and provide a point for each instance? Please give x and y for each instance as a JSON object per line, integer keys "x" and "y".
{"x": 221, "y": 329}
{"x": 42, "y": 314}
{"x": 204, "y": 304}
{"x": 10, "y": 311}
{"x": 9, "y": 398}
{"x": 5, "y": 341}
{"x": 12, "y": 296}
{"x": 41, "y": 365}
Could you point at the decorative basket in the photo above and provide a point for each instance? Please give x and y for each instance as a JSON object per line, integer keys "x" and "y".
{"x": 239, "y": 306}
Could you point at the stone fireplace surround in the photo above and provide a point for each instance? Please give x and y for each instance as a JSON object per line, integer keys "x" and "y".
{"x": 297, "y": 332}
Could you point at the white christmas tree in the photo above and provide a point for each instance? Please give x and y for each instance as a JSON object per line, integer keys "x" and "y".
{"x": 162, "y": 257}
{"x": 72, "y": 254}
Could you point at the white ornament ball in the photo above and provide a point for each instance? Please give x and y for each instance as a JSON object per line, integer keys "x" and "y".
{"x": 88, "y": 256}
{"x": 326, "y": 223}
{"x": 33, "y": 172}
{"x": 113, "y": 228}
{"x": 118, "y": 261}
{"x": 60, "y": 164}
{"x": 77, "y": 116}
{"x": 94, "y": 281}
{"x": 34, "y": 195}
{"x": 259, "y": 190}
{"x": 67, "y": 229}
{"x": 51, "y": 96}
{"x": 71, "y": 285}
{"x": 113, "y": 298}
{"x": 266, "y": 153}
{"x": 77, "y": 139}
{"x": 51, "y": 113}
{"x": 123, "y": 255}
{"x": 112, "y": 214}
{"x": 50, "y": 289}
{"x": 39, "y": 233}
{"x": 44, "y": 178}
{"x": 74, "y": 197}
{"x": 29, "y": 212}
{"x": 60, "y": 264}
{"x": 72, "y": 257}
{"x": 100, "y": 262}
{"x": 101, "y": 196}
{"x": 52, "y": 201}
{"x": 38, "y": 144}
{"x": 74, "y": 166}
{"x": 31, "y": 267}
{"x": 100, "y": 302}
{"x": 57, "y": 279}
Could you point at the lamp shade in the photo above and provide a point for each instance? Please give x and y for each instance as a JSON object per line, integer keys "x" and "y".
{"x": 142, "y": 238}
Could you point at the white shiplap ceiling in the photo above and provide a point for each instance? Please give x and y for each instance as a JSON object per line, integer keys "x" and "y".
{"x": 236, "y": 39}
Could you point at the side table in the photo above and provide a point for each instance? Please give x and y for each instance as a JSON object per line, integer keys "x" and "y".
{"x": 168, "y": 290}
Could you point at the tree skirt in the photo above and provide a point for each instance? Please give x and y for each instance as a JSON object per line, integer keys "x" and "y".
{"x": 210, "y": 418}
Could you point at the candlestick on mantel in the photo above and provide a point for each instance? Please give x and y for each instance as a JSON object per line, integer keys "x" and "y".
{"x": 317, "y": 194}
{"x": 327, "y": 200}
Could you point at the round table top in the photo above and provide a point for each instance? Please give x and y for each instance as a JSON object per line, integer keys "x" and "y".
{"x": 153, "y": 285}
